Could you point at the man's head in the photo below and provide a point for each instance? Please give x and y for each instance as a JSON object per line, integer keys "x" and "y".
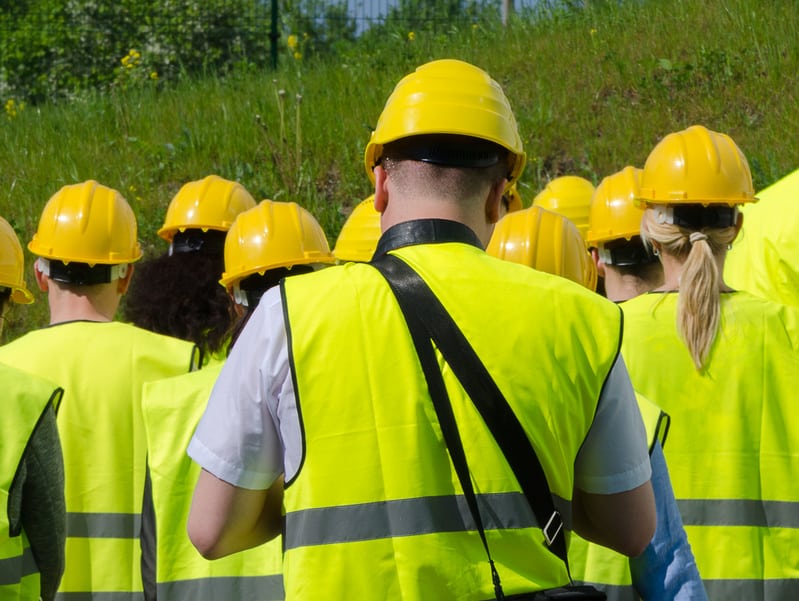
{"x": 447, "y": 133}
{"x": 86, "y": 241}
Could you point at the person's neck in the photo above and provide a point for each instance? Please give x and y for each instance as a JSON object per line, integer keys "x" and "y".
{"x": 66, "y": 305}
{"x": 673, "y": 268}
{"x": 400, "y": 212}
{"x": 620, "y": 287}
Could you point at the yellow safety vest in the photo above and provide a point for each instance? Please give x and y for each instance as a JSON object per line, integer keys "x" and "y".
{"x": 602, "y": 567}
{"x": 24, "y": 401}
{"x": 376, "y": 509}
{"x": 102, "y": 367}
{"x": 764, "y": 258}
{"x": 733, "y": 449}
{"x": 172, "y": 409}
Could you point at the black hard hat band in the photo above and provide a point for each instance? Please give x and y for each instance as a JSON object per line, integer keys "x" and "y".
{"x": 697, "y": 217}
{"x": 626, "y": 253}
{"x": 81, "y": 274}
{"x": 447, "y": 151}
{"x": 211, "y": 242}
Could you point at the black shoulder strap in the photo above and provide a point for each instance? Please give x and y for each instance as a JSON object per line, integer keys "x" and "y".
{"x": 418, "y": 303}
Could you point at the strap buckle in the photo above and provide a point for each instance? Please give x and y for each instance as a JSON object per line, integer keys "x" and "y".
{"x": 553, "y": 527}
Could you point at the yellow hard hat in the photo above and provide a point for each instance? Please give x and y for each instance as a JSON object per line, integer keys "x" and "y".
{"x": 614, "y": 214}
{"x": 211, "y": 203}
{"x": 448, "y": 97}
{"x": 359, "y": 234}
{"x": 696, "y": 166}
{"x": 570, "y": 196}
{"x": 87, "y": 223}
{"x": 12, "y": 265}
{"x": 271, "y": 235}
{"x": 545, "y": 241}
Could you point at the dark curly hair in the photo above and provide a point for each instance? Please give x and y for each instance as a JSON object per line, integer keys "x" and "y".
{"x": 179, "y": 295}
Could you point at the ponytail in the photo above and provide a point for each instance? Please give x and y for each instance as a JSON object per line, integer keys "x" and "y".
{"x": 699, "y": 300}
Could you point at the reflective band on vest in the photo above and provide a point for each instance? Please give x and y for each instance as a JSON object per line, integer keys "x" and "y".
{"x": 376, "y": 507}
{"x": 101, "y": 367}
{"x": 221, "y": 588}
{"x": 103, "y": 525}
{"x": 172, "y": 409}
{"x": 732, "y": 443}
{"x": 14, "y": 569}
{"x": 739, "y": 512}
{"x": 25, "y": 399}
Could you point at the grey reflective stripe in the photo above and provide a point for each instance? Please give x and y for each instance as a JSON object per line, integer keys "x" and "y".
{"x": 615, "y": 592}
{"x": 28, "y": 562}
{"x": 263, "y": 588}
{"x": 404, "y": 517}
{"x": 739, "y": 512}
{"x": 772, "y": 589}
{"x": 99, "y": 596}
{"x": 103, "y": 525}
{"x": 13, "y": 569}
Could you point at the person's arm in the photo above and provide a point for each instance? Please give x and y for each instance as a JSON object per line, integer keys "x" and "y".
{"x": 624, "y": 522}
{"x": 237, "y": 501}
{"x": 43, "y": 511}
{"x": 225, "y": 519}
{"x": 613, "y": 503}
{"x": 666, "y": 570}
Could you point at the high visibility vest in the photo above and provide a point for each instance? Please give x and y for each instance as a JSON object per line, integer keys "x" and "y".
{"x": 172, "y": 408}
{"x": 24, "y": 401}
{"x": 764, "y": 258}
{"x": 733, "y": 449}
{"x": 602, "y": 567}
{"x": 102, "y": 367}
{"x": 376, "y": 508}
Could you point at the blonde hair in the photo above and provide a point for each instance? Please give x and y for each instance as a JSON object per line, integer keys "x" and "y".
{"x": 699, "y": 301}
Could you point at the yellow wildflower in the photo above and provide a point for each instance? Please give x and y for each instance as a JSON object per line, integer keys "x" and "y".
{"x": 411, "y": 36}
{"x": 154, "y": 75}
{"x": 298, "y": 56}
{"x": 292, "y": 42}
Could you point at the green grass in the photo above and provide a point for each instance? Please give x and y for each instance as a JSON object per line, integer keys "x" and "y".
{"x": 593, "y": 91}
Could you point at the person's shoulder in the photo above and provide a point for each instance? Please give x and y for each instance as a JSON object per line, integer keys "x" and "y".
{"x": 158, "y": 343}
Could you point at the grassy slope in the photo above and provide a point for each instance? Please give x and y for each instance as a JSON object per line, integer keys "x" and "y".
{"x": 593, "y": 91}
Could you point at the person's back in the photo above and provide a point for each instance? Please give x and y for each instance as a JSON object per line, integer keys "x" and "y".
{"x": 724, "y": 365}
{"x": 408, "y": 469}
{"x": 264, "y": 244}
{"x": 330, "y": 397}
{"x": 732, "y": 436}
{"x": 101, "y": 365}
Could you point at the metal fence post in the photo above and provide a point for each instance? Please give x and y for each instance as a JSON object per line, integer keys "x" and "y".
{"x": 273, "y": 36}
